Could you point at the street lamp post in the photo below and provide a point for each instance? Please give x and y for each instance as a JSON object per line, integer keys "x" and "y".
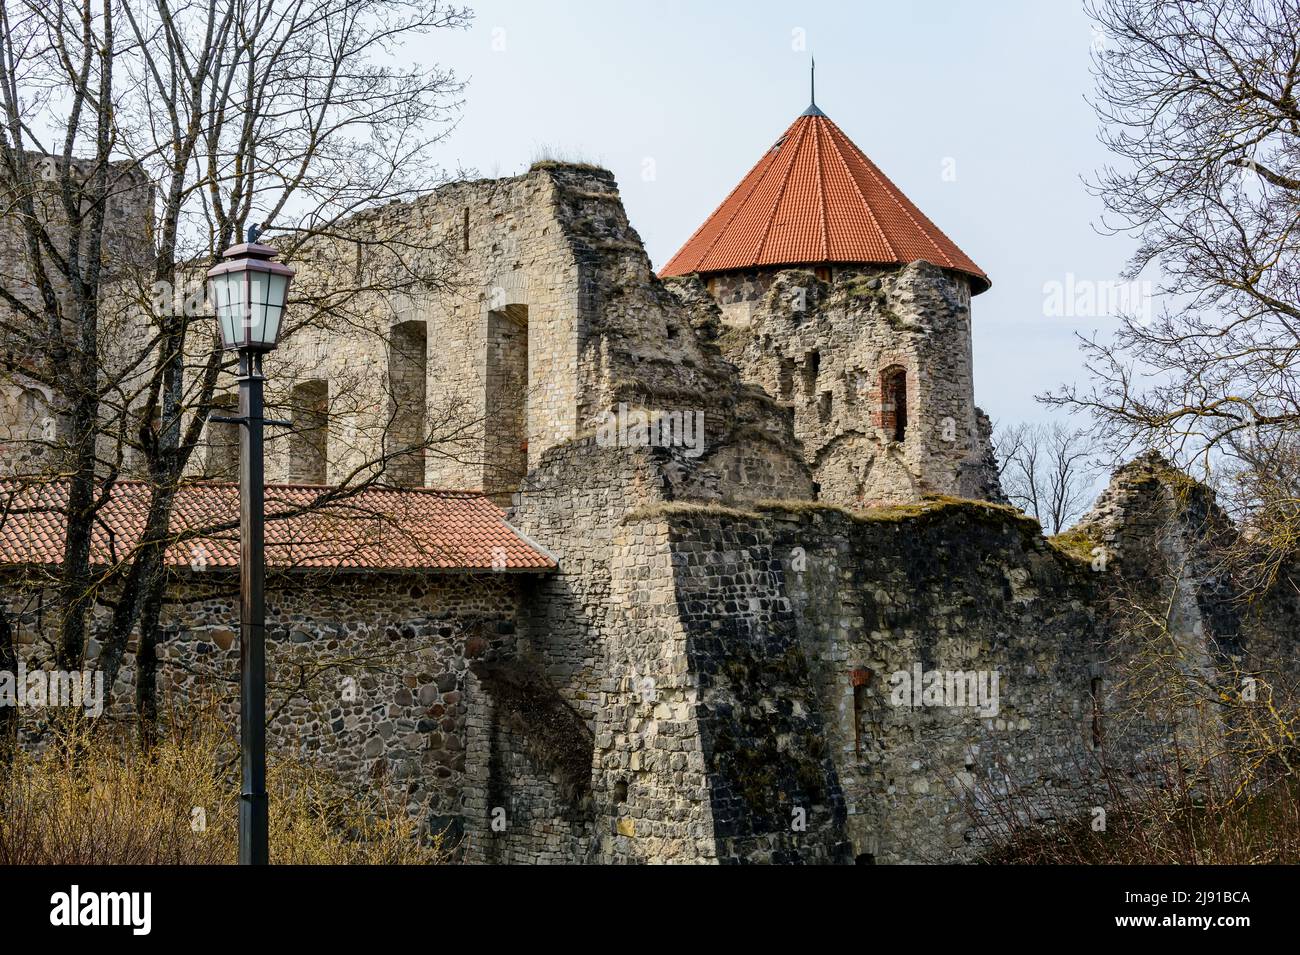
{"x": 249, "y": 292}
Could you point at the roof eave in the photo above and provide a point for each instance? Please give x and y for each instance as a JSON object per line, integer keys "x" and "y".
{"x": 979, "y": 282}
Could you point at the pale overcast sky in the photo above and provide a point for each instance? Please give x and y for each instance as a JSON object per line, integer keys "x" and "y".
{"x": 680, "y": 99}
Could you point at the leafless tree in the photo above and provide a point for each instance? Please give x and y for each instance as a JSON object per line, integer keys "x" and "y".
{"x": 291, "y": 115}
{"x": 1046, "y": 471}
{"x": 1199, "y": 107}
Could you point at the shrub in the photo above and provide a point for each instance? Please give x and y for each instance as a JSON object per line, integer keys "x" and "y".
{"x": 93, "y": 797}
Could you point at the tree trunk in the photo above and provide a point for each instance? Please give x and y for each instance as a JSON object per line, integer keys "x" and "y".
{"x": 75, "y": 591}
{"x": 8, "y": 714}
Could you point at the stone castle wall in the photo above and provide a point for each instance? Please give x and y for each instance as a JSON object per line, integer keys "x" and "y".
{"x": 31, "y": 411}
{"x": 493, "y": 333}
{"x": 960, "y": 587}
{"x": 708, "y": 676}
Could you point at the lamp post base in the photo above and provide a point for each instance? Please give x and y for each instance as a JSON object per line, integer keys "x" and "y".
{"x": 253, "y": 834}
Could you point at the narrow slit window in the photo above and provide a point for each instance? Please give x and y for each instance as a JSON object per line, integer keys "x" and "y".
{"x": 861, "y": 680}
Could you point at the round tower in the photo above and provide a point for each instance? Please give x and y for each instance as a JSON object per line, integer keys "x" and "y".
{"x": 843, "y": 300}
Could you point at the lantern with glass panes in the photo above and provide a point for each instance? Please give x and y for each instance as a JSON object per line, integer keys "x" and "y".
{"x": 249, "y": 291}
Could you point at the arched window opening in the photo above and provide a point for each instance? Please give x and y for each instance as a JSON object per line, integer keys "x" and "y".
{"x": 893, "y": 402}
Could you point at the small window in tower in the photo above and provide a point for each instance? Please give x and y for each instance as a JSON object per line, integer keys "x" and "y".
{"x": 823, "y": 273}
{"x": 620, "y": 792}
{"x": 861, "y": 680}
{"x": 465, "y": 229}
{"x": 893, "y": 402}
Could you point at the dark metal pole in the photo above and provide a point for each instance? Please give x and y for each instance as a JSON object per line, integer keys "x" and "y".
{"x": 252, "y": 617}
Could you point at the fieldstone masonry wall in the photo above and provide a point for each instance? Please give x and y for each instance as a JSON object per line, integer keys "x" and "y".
{"x": 368, "y": 674}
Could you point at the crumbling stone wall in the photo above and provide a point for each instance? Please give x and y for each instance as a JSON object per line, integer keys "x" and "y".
{"x": 1200, "y": 625}
{"x": 489, "y": 251}
{"x": 600, "y": 628}
{"x": 826, "y": 342}
{"x": 949, "y": 587}
{"x": 707, "y": 678}
{"x": 774, "y": 793}
{"x": 548, "y": 317}
{"x": 528, "y": 798}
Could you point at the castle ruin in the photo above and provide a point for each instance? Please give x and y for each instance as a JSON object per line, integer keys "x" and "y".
{"x": 660, "y": 649}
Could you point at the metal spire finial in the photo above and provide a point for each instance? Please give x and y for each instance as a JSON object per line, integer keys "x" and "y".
{"x": 812, "y": 109}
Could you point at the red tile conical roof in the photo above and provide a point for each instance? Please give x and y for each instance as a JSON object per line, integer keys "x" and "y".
{"x": 814, "y": 198}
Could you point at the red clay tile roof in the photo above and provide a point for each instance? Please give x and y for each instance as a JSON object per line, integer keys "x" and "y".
{"x": 814, "y": 198}
{"x": 389, "y": 529}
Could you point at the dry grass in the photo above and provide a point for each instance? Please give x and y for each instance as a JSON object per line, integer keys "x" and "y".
{"x": 92, "y": 798}
{"x": 1172, "y": 820}
{"x": 1222, "y": 787}
{"x": 1076, "y": 544}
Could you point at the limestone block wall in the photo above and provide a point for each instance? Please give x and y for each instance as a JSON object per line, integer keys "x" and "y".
{"x": 826, "y": 341}
{"x": 606, "y": 623}
{"x": 29, "y": 425}
{"x": 455, "y": 263}
{"x": 650, "y": 785}
{"x": 543, "y": 284}
{"x": 528, "y": 798}
{"x": 127, "y": 224}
